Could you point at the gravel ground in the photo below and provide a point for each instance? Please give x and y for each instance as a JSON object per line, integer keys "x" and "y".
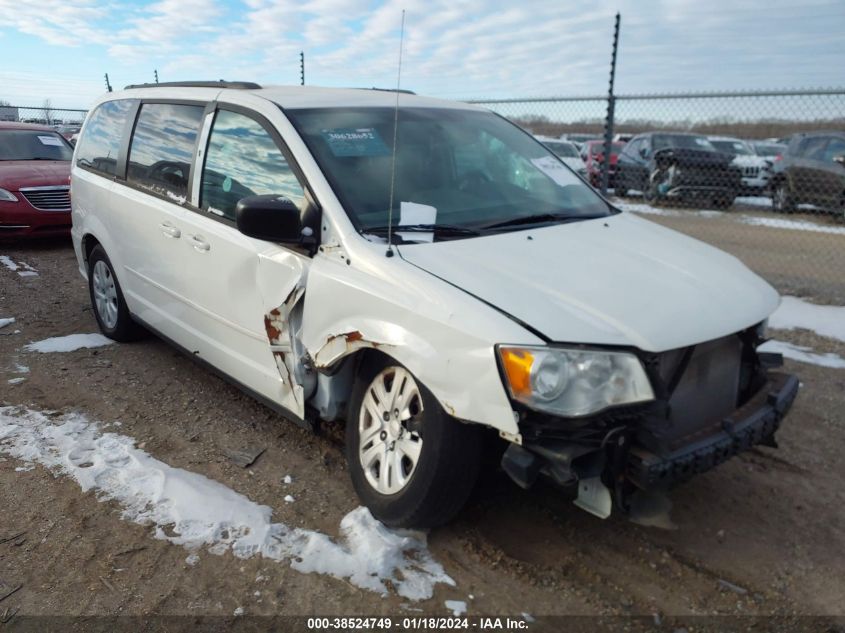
{"x": 763, "y": 534}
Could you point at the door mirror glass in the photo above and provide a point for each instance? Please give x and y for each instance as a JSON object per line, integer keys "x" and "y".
{"x": 273, "y": 218}
{"x": 839, "y": 159}
{"x": 644, "y": 152}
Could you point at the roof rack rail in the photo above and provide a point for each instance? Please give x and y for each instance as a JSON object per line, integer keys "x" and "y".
{"x": 237, "y": 85}
{"x": 402, "y": 90}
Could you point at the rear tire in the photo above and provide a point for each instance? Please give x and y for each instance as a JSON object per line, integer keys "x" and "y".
{"x": 782, "y": 199}
{"x": 415, "y": 469}
{"x": 107, "y": 300}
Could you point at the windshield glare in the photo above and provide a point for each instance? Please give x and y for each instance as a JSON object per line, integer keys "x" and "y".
{"x": 682, "y": 141}
{"x": 470, "y": 168}
{"x": 564, "y": 150}
{"x": 33, "y": 145}
{"x": 732, "y": 147}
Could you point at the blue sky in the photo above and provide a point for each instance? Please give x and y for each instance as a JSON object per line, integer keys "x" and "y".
{"x": 59, "y": 49}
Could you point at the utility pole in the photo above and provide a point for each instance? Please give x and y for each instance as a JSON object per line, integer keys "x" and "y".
{"x": 301, "y": 68}
{"x": 155, "y": 73}
{"x": 611, "y": 107}
{"x": 108, "y": 85}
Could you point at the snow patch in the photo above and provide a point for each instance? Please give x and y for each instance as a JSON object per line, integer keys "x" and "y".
{"x": 457, "y": 607}
{"x": 796, "y": 313}
{"x": 68, "y": 343}
{"x": 792, "y": 225}
{"x": 754, "y": 201}
{"x": 191, "y": 510}
{"x": 8, "y": 263}
{"x": 289, "y": 499}
{"x": 803, "y": 354}
{"x": 15, "y": 381}
{"x": 638, "y": 207}
{"x": 192, "y": 559}
{"x": 4, "y": 321}
{"x": 288, "y": 480}
{"x": 22, "y": 268}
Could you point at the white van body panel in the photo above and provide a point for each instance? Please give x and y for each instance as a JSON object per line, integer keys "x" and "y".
{"x": 440, "y": 308}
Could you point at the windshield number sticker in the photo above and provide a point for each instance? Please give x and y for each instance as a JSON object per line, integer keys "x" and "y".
{"x": 554, "y": 170}
{"x": 50, "y": 140}
{"x": 355, "y": 142}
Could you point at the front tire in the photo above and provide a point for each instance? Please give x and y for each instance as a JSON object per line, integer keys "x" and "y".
{"x": 411, "y": 464}
{"x": 107, "y": 299}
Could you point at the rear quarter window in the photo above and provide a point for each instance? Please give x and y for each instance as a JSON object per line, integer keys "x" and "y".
{"x": 99, "y": 144}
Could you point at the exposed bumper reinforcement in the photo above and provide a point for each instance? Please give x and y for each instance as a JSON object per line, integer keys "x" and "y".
{"x": 753, "y": 423}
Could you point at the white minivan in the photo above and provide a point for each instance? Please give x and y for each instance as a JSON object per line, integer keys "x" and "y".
{"x": 432, "y": 275}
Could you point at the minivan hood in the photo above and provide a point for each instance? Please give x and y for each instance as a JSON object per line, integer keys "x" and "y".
{"x": 15, "y": 174}
{"x": 620, "y": 280}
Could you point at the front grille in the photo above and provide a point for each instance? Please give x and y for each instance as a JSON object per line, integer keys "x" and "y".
{"x": 48, "y": 198}
{"x": 751, "y": 172}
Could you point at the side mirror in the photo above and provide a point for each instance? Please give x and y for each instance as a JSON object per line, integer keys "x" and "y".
{"x": 274, "y": 218}
{"x": 839, "y": 159}
{"x": 643, "y": 152}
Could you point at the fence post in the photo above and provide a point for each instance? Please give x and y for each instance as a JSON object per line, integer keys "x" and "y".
{"x": 611, "y": 105}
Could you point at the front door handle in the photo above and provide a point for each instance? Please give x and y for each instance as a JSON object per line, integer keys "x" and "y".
{"x": 169, "y": 230}
{"x": 199, "y": 243}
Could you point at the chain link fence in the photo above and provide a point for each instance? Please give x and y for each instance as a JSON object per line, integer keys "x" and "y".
{"x": 759, "y": 174}
{"x": 66, "y": 121}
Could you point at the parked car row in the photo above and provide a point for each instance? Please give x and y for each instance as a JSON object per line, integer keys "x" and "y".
{"x": 804, "y": 169}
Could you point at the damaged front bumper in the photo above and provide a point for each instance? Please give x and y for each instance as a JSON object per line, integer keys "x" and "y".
{"x": 610, "y": 464}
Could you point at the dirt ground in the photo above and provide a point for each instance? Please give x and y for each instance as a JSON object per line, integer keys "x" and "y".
{"x": 763, "y": 534}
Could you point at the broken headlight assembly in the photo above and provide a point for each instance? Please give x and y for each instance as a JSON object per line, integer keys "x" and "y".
{"x": 573, "y": 382}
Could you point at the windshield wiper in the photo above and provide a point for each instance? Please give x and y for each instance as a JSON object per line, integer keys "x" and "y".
{"x": 540, "y": 218}
{"x": 438, "y": 229}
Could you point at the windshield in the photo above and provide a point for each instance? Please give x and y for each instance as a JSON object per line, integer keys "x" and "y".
{"x": 732, "y": 147}
{"x": 33, "y": 145}
{"x": 454, "y": 167}
{"x": 769, "y": 149}
{"x": 682, "y": 141}
{"x": 564, "y": 150}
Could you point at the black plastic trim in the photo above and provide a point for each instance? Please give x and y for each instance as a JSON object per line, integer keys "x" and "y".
{"x": 753, "y": 423}
{"x": 237, "y": 85}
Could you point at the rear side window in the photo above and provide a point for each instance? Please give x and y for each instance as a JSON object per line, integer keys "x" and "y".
{"x": 100, "y": 142}
{"x": 835, "y": 147}
{"x": 812, "y": 147}
{"x": 162, "y": 148}
{"x": 243, "y": 160}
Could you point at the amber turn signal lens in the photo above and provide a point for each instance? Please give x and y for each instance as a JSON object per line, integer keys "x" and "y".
{"x": 517, "y": 364}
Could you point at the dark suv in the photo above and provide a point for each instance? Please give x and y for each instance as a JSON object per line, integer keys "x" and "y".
{"x": 679, "y": 166}
{"x": 812, "y": 171}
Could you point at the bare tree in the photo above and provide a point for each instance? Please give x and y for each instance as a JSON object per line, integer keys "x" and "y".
{"x": 47, "y": 108}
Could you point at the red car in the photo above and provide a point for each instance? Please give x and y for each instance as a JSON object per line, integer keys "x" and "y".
{"x": 34, "y": 181}
{"x": 593, "y": 154}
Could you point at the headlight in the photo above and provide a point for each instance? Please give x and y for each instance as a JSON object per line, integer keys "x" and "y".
{"x": 7, "y": 196}
{"x": 571, "y": 382}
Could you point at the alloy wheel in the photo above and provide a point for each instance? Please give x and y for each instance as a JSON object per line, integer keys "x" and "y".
{"x": 390, "y": 443}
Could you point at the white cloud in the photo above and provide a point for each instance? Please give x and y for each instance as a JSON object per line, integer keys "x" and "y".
{"x": 453, "y": 48}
